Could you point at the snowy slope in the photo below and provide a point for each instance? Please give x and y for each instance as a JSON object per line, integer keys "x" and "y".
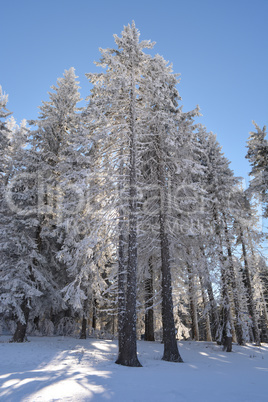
{"x": 68, "y": 369}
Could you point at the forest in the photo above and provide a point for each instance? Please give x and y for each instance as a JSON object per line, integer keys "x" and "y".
{"x": 123, "y": 220}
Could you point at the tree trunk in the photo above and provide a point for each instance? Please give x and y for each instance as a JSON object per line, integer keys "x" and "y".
{"x": 20, "y": 332}
{"x": 213, "y": 309}
{"x": 149, "y": 312}
{"x": 171, "y": 352}
{"x": 193, "y": 307}
{"x": 94, "y": 314}
{"x": 226, "y": 336}
{"x": 121, "y": 267}
{"x": 121, "y": 292}
{"x": 83, "y": 333}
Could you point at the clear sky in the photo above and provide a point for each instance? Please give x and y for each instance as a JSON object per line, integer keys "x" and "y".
{"x": 220, "y": 48}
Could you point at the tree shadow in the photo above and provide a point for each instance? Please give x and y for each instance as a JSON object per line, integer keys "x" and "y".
{"x": 61, "y": 375}
{"x": 52, "y": 385}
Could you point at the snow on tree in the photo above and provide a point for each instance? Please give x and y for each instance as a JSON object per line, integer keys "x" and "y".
{"x": 162, "y": 157}
{"x": 26, "y": 288}
{"x": 114, "y": 107}
{"x": 128, "y": 203}
{"x": 250, "y": 238}
{"x": 62, "y": 158}
{"x": 221, "y": 186}
{"x": 4, "y": 141}
{"x": 257, "y": 155}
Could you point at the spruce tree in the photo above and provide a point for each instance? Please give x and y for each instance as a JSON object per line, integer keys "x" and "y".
{"x": 114, "y": 108}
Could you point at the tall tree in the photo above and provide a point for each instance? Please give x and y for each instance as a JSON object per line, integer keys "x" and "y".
{"x": 60, "y": 161}
{"x": 114, "y": 107}
{"x": 164, "y": 155}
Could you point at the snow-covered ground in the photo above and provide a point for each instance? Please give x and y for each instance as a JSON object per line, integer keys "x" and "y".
{"x": 68, "y": 369}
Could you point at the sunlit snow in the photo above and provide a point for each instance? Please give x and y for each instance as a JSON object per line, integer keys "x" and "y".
{"x": 67, "y": 369}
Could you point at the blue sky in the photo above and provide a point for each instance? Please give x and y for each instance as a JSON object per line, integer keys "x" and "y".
{"x": 220, "y": 48}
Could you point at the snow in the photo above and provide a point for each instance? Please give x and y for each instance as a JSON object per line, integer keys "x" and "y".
{"x": 69, "y": 369}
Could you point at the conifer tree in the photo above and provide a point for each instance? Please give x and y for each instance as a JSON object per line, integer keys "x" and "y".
{"x": 60, "y": 158}
{"x": 26, "y": 287}
{"x": 114, "y": 107}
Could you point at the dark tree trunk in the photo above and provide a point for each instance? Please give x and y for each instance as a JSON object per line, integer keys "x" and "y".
{"x": 83, "y": 333}
{"x": 149, "y": 311}
{"x": 94, "y": 314}
{"x": 121, "y": 288}
{"x": 226, "y": 336}
{"x": 20, "y": 332}
{"x": 128, "y": 354}
{"x": 171, "y": 351}
{"x": 227, "y": 340}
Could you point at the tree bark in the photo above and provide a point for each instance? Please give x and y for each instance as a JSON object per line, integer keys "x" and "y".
{"x": 149, "y": 312}
{"x": 121, "y": 268}
{"x": 94, "y": 314}
{"x": 226, "y": 336}
{"x": 171, "y": 352}
{"x": 83, "y": 333}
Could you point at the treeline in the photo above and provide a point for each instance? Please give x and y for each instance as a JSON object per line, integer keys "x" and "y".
{"x": 124, "y": 218}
